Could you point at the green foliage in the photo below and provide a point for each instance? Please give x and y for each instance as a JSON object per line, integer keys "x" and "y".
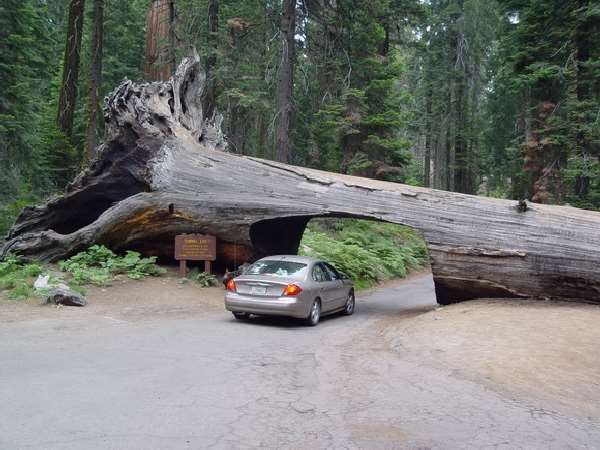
{"x": 16, "y": 278}
{"x": 25, "y": 38}
{"x": 368, "y": 252}
{"x": 203, "y": 279}
{"x": 372, "y": 79}
{"x": 363, "y": 126}
{"x": 547, "y": 53}
{"x": 99, "y": 265}
{"x": 10, "y": 211}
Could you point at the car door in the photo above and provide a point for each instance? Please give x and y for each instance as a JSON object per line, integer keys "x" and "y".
{"x": 339, "y": 289}
{"x": 325, "y": 287}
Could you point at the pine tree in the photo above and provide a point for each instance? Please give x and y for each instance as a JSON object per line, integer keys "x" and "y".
{"x": 545, "y": 51}
{"x": 26, "y": 51}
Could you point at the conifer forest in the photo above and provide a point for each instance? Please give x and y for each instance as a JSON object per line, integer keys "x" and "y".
{"x": 491, "y": 97}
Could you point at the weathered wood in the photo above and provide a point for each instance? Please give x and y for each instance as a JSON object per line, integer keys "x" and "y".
{"x": 162, "y": 172}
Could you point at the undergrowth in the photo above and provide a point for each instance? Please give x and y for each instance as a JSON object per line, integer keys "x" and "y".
{"x": 99, "y": 265}
{"x": 368, "y": 252}
{"x": 16, "y": 277}
{"x": 203, "y": 279}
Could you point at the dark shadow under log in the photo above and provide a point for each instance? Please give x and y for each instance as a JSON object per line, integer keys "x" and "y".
{"x": 163, "y": 171}
{"x": 277, "y": 236}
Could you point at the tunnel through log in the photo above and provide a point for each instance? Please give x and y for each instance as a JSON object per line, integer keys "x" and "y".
{"x": 163, "y": 170}
{"x": 277, "y": 236}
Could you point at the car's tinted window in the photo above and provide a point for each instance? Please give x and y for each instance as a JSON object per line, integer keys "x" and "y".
{"x": 333, "y": 274}
{"x": 319, "y": 273}
{"x": 277, "y": 268}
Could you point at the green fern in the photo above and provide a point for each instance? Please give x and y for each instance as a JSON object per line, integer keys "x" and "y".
{"x": 368, "y": 252}
{"x": 99, "y": 265}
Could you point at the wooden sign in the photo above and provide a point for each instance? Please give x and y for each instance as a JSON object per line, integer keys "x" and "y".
{"x": 195, "y": 247}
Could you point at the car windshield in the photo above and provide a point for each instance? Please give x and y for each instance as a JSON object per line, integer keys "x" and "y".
{"x": 277, "y": 268}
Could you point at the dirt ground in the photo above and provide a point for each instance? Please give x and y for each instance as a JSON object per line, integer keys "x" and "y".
{"x": 153, "y": 298}
{"x": 536, "y": 349}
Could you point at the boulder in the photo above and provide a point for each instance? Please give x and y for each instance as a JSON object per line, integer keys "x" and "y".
{"x": 65, "y": 296}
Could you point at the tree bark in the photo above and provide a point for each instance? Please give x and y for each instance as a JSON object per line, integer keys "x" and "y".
{"x": 460, "y": 167}
{"x": 580, "y": 84}
{"x": 162, "y": 171}
{"x": 95, "y": 77}
{"x": 68, "y": 91}
{"x": 159, "y": 51}
{"x": 211, "y": 61}
{"x": 285, "y": 82}
{"x": 428, "y": 137}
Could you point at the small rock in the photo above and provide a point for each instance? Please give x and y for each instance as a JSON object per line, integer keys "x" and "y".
{"x": 67, "y": 297}
{"x": 42, "y": 282}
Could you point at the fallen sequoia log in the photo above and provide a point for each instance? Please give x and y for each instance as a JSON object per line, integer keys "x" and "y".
{"x": 163, "y": 170}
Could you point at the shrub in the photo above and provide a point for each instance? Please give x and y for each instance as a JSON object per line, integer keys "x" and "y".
{"x": 99, "y": 265}
{"x": 203, "y": 279}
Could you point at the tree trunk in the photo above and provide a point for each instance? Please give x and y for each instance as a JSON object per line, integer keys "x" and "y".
{"x": 428, "y": 136}
{"x": 580, "y": 84}
{"x": 68, "y": 91}
{"x": 159, "y": 51}
{"x": 162, "y": 172}
{"x": 460, "y": 167}
{"x": 95, "y": 77}
{"x": 211, "y": 61}
{"x": 285, "y": 83}
{"x": 448, "y": 169}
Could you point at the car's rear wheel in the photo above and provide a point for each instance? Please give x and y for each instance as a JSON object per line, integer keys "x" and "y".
{"x": 315, "y": 314}
{"x": 350, "y": 304}
{"x": 241, "y": 316}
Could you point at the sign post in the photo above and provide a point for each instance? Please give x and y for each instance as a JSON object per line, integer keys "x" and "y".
{"x": 195, "y": 247}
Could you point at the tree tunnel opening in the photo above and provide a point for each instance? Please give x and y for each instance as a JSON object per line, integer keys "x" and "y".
{"x": 82, "y": 210}
{"x": 369, "y": 251}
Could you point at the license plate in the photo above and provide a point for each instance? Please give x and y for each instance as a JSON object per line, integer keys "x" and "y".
{"x": 258, "y": 290}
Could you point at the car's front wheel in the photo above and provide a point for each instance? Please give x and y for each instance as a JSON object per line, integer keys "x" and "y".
{"x": 315, "y": 314}
{"x": 350, "y": 304}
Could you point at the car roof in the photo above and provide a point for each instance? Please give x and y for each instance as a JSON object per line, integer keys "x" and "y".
{"x": 292, "y": 258}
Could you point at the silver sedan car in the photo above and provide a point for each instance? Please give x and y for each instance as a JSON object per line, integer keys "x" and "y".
{"x": 288, "y": 285}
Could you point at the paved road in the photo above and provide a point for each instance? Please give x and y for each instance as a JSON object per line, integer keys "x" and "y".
{"x": 210, "y": 382}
